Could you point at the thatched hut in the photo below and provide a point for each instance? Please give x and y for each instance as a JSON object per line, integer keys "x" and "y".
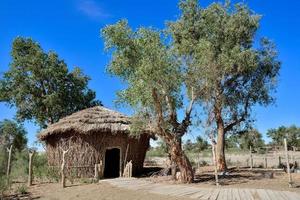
{"x": 95, "y": 135}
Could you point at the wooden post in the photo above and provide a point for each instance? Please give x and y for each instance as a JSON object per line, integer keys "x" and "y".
{"x": 251, "y": 159}
{"x": 96, "y": 176}
{"x": 293, "y": 155}
{"x": 9, "y": 150}
{"x": 266, "y": 162}
{"x": 215, "y": 163}
{"x": 31, "y": 153}
{"x": 63, "y": 177}
{"x": 288, "y": 163}
{"x": 279, "y": 161}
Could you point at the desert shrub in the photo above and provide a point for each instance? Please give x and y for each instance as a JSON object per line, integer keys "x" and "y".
{"x": 40, "y": 165}
{"x": 203, "y": 163}
{"x": 19, "y": 166}
{"x": 22, "y": 189}
{"x": 4, "y": 185}
{"x": 86, "y": 180}
{"x": 156, "y": 152}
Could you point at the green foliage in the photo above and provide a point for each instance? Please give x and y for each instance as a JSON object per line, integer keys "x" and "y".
{"x": 22, "y": 189}
{"x": 217, "y": 45}
{"x": 291, "y": 133}
{"x": 4, "y": 185}
{"x": 196, "y": 147}
{"x": 142, "y": 59}
{"x": 19, "y": 166}
{"x": 243, "y": 140}
{"x": 40, "y": 165}
{"x": 12, "y": 134}
{"x": 40, "y": 86}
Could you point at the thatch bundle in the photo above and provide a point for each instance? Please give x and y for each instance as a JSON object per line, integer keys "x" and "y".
{"x": 88, "y": 134}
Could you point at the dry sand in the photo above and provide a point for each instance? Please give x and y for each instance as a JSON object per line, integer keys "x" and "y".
{"x": 98, "y": 191}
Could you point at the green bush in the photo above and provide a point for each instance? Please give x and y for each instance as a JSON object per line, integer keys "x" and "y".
{"x": 19, "y": 166}
{"x": 22, "y": 189}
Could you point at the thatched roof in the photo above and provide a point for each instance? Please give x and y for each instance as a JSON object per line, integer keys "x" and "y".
{"x": 89, "y": 120}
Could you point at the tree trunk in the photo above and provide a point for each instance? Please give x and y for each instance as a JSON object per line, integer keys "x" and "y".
{"x": 221, "y": 146}
{"x": 184, "y": 165}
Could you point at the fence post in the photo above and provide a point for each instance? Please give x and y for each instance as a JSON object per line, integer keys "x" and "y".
{"x": 251, "y": 159}
{"x": 96, "y": 176}
{"x": 63, "y": 177}
{"x": 279, "y": 161}
{"x": 266, "y": 162}
{"x": 288, "y": 163}
{"x": 215, "y": 163}
{"x": 9, "y": 150}
{"x": 31, "y": 153}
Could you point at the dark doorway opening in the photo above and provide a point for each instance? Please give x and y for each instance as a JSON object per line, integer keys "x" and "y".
{"x": 112, "y": 163}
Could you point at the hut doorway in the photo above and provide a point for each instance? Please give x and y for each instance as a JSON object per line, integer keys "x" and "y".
{"x": 112, "y": 163}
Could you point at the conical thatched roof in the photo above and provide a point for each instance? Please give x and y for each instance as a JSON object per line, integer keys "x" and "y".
{"x": 89, "y": 120}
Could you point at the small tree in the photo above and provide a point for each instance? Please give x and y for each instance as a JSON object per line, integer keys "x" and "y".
{"x": 291, "y": 133}
{"x": 154, "y": 78}
{"x": 40, "y": 86}
{"x": 217, "y": 44}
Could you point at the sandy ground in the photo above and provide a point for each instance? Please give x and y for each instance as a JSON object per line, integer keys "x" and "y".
{"x": 99, "y": 191}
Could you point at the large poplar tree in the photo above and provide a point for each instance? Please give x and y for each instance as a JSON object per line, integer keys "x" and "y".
{"x": 218, "y": 44}
{"x": 155, "y": 79}
{"x": 40, "y": 86}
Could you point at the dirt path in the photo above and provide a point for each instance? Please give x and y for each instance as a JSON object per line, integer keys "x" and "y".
{"x": 100, "y": 191}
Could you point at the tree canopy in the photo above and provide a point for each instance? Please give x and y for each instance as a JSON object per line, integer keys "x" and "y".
{"x": 40, "y": 85}
{"x": 12, "y": 134}
{"x": 291, "y": 133}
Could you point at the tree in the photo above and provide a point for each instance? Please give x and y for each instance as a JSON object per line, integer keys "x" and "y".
{"x": 155, "y": 78}
{"x": 291, "y": 133}
{"x": 200, "y": 144}
{"x": 40, "y": 86}
{"x": 10, "y": 134}
{"x": 245, "y": 139}
{"x": 251, "y": 138}
{"x": 217, "y": 45}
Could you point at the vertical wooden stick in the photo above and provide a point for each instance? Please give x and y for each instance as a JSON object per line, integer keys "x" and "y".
{"x": 9, "y": 150}
{"x": 96, "y": 176}
{"x": 63, "y": 177}
{"x": 30, "y": 168}
{"x": 288, "y": 163}
{"x": 266, "y": 162}
{"x": 215, "y": 163}
{"x": 279, "y": 160}
{"x": 251, "y": 159}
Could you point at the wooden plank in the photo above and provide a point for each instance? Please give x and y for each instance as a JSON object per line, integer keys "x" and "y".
{"x": 215, "y": 194}
{"x": 199, "y": 194}
{"x": 263, "y": 194}
{"x": 235, "y": 194}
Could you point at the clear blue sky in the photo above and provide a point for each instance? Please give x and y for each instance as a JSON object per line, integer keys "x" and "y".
{"x": 72, "y": 29}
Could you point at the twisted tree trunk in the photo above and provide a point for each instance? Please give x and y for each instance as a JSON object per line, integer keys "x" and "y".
{"x": 183, "y": 163}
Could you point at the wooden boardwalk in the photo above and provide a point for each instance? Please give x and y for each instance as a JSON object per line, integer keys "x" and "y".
{"x": 202, "y": 193}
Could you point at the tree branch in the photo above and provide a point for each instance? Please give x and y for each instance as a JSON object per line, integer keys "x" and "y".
{"x": 160, "y": 118}
{"x": 182, "y": 128}
{"x": 241, "y": 119}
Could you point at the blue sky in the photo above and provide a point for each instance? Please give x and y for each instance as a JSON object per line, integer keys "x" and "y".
{"x": 72, "y": 29}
